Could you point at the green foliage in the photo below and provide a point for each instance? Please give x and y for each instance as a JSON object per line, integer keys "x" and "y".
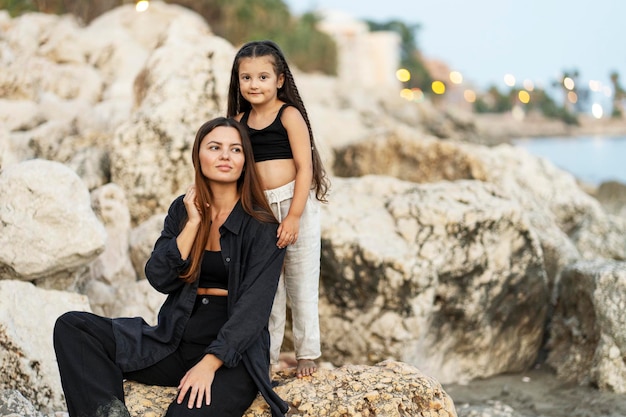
{"x": 237, "y": 21}
{"x": 18, "y": 7}
{"x": 84, "y": 10}
{"x": 619, "y": 94}
{"x": 542, "y": 102}
{"x": 240, "y": 21}
{"x": 493, "y": 101}
{"x": 308, "y": 48}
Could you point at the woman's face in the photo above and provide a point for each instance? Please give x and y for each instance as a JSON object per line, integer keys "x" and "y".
{"x": 221, "y": 155}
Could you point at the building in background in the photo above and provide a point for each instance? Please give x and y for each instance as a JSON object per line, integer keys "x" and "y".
{"x": 366, "y": 59}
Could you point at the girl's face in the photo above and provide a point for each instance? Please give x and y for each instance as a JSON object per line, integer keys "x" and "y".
{"x": 221, "y": 155}
{"x": 258, "y": 81}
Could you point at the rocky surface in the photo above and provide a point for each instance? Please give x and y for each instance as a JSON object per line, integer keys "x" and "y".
{"x": 48, "y": 233}
{"x": 418, "y": 272}
{"x": 389, "y": 389}
{"x": 588, "y": 337}
{"x": 27, "y": 316}
{"x": 439, "y": 253}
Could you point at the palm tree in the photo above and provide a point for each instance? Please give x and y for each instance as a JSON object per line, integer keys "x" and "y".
{"x": 619, "y": 94}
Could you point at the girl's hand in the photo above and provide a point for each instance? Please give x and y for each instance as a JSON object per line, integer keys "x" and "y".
{"x": 197, "y": 381}
{"x": 193, "y": 212}
{"x": 288, "y": 231}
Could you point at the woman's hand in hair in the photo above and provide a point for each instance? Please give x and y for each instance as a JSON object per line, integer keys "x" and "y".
{"x": 191, "y": 204}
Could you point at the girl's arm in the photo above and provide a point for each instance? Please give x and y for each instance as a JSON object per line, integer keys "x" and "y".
{"x": 263, "y": 262}
{"x": 300, "y": 143}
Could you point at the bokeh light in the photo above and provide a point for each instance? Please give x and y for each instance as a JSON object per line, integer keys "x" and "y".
{"x": 509, "y": 80}
{"x": 418, "y": 94}
{"x": 438, "y": 87}
{"x": 403, "y": 75}
{"x": 523, "y": 96}
{"x": 142, "y": 5}
{"x": 529, "y": 85}
{"x": 595, "y": 86}
{"x": 456, "y": 77}
{"x": 572, "y": 97}
{"x": 406, "y": 94}
{"x": 568, "y": 83}
{"x": 412, "y": 94}
{"x": 469, "y": 96}
{"x": 597, "y": 111}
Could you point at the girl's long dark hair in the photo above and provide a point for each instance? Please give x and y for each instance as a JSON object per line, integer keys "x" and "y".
{"x": 288, "y": 93}
{"x": 249, "y": 187}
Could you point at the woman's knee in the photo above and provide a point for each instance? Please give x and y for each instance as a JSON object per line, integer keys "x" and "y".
{"x": 64, "y": 323}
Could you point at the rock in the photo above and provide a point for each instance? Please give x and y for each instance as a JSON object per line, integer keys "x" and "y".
{"x": 113, "y": 266}
{"x": 13, "y": 404}
{"x": 183, "y": 84}
{"x": 419, "y": 272}
{"x": 490, "y": 409}
{"x": 138, "y": 299}
{"x": 142, "y": 240}
{"x": 386, "y": 389}
{"x": 48, "y": 231}
{"x": 612, "y": 196}
{"x": 570, "y": 224}
{"x": 27, "y": 317}
{"x": 92, "y": 164}
{"x": 20, "y": 114}
{"x": 588, "y": 336}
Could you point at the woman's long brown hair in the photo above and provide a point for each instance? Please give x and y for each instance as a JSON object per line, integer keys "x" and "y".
{"x": 249, "y": 187}
{"x": 288, "y": 93}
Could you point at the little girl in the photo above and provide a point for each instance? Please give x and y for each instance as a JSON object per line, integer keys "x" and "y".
{"x": 264, "y": 97}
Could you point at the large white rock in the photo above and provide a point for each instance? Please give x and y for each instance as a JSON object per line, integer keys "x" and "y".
{"x": 448, "y": 277}
{"x": 142, "y": 240}
{"x": 183, "y": 84}
{"x": 48, "y": 230}
{"x": 588, "y": 339}
{"x": 27, "y": 317}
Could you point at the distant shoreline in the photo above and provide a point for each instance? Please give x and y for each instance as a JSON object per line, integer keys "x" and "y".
{"x": 502, "y": 128}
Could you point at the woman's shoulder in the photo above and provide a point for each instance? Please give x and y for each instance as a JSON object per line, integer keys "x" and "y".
{"x": 177, "y": 207}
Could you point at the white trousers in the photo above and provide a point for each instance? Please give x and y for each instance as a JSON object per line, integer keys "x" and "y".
{"x": 299, "y": 282}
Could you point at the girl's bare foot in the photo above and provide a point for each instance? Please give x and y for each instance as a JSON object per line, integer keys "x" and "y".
{"x": 306, "y": 367}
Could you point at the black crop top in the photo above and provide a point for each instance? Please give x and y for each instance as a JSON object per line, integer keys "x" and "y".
{"x": 213, "y": 273}
{"x": 271, "y": 142}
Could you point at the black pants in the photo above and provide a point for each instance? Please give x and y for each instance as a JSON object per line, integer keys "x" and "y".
{"x": 93, "y": 383}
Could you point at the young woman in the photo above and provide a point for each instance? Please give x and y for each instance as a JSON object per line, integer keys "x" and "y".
{"x": 264, "y": 96}
{"x": 218, "y": 262}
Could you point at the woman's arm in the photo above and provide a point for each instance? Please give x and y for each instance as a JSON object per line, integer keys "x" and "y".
{"x": 300, "y": 143}
{"x": 166, "y": 263}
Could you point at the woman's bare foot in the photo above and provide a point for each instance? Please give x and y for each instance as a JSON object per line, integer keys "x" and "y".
{"x": 306, "y": 367}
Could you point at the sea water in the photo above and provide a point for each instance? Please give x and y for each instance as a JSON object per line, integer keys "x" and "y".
{"x": 591, "y": 159}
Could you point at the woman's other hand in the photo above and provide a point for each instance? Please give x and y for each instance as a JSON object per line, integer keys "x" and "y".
{"x": 288, "y": 231}
{"x": 198, "y": 380}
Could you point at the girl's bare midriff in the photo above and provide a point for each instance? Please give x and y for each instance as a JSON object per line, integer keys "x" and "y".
{"x": 276, "y": 173}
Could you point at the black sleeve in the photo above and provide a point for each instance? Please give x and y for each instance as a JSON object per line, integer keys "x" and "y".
{"x": 166, "y": 264}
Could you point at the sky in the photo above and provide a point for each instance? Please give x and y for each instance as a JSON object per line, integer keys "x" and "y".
{"x": 533, "y": 40}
